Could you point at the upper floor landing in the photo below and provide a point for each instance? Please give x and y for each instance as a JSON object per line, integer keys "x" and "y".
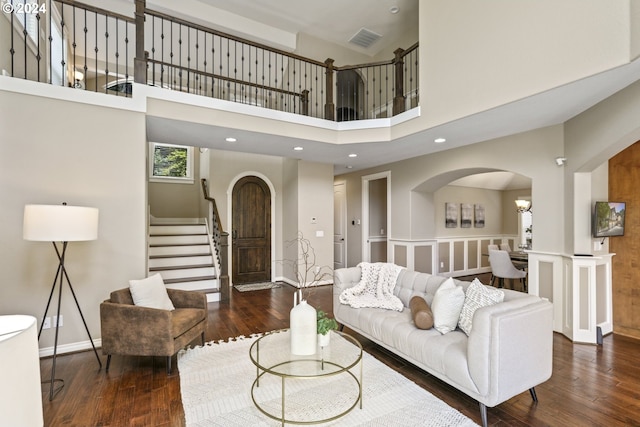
{"x": 483, "y": 72}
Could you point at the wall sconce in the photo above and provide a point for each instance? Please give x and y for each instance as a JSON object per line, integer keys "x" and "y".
{"x": 560, "y": 161}
{"x": 523, "y": 206}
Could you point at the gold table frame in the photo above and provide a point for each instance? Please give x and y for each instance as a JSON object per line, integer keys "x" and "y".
{"x": 281, "y": 369}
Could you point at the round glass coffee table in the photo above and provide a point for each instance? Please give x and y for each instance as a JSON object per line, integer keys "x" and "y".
{"x": 282, "y": 391}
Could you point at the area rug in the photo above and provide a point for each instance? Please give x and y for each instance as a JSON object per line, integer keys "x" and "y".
{"x": 216, "y": 379}
{"x": 256, "y": 286}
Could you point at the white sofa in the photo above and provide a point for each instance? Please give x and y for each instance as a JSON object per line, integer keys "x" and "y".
{"x": 508, "y": 351}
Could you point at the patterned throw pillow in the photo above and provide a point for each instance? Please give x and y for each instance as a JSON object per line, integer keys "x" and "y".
{"x": 446, "y": 305}
{"x": 477, "y": 296}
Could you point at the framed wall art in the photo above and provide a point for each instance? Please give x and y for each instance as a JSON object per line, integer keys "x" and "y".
{"x": 479, "y": 216}
{"x": 451, "y": 215}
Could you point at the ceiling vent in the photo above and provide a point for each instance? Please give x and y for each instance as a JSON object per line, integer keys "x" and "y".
{"x": 365, "y": 38}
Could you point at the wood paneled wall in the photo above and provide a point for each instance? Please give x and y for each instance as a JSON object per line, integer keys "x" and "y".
{"x": 624, "y": 178}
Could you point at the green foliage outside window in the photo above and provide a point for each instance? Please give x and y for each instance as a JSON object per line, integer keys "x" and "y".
{"x": 170, "y": 161}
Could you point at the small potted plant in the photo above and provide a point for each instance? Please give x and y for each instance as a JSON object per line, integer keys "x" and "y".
{"x": 325, "y": 325}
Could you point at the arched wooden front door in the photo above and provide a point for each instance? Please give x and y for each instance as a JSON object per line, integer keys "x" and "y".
{"x": 251, "y": 231}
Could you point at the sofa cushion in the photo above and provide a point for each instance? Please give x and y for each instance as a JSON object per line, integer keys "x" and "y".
{"x": 477, "y": 296}
{"x": 150, "y": 292}
{"x": 446, "y": 306}
{"x": 421, "y": 313}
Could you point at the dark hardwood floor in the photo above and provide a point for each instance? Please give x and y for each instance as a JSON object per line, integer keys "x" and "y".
{"x": 590, "y": 386}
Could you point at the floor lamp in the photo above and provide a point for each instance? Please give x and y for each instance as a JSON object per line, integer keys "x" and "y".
{"x": 60, "y": 224}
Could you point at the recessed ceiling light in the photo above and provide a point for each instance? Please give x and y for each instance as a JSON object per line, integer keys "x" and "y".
{"x": 353, "y": 155}
{"x": 394, "y": 9}
{"x": 298, "y": 148}
{"x": 230, "y": 139}
{"x": 439, "y": 140}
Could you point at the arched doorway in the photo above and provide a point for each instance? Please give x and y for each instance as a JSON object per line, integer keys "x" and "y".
{"x": 251, "y": 231}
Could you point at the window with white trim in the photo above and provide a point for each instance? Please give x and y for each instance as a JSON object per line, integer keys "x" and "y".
{"x": 170, "y": 163}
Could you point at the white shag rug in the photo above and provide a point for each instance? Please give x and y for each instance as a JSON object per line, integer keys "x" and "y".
{"x": 215, "y": 382}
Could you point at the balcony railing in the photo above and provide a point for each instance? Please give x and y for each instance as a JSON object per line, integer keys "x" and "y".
{"x": 67, "y": 43}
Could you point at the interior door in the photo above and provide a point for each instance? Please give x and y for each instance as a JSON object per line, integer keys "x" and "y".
{"x": 339, "y": 225}
{"x": 251, "y": 231}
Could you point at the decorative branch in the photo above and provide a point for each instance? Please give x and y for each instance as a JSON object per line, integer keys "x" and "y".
{"x": 307, "y": 274}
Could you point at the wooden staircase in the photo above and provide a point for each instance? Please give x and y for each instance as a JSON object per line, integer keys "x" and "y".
{"x": 181, "y": 251}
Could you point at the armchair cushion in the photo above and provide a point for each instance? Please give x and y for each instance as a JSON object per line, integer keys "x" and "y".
{"x": 184, "y": 319}
{"x": 150, "y": 292}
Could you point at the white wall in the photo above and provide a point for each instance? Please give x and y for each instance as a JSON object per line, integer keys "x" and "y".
{"x": 485, "y": 54}
{"x": 226, "y": 168}
{"x": 308, "y": 210}
{"x": 530, "y": 154}
{"x": 491, "y": 200}
{"x": 54, "y": 151}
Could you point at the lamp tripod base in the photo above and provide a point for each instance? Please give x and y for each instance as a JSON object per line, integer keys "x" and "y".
{"x": 56, "y": 384}
{"x": 53, "y": 388}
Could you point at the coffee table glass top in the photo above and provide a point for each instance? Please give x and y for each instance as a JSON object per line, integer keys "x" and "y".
{"x": 272, "y": 353}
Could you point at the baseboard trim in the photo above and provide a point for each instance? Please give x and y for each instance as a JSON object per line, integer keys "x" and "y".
{"x": 295, "y": 284}
{"x": 71, "y": 347}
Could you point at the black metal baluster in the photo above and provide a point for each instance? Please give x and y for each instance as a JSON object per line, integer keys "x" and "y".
{"x": 180, "y": 54}
{"x": 196, "y": 74}
{"x": 50, "y": 48}
{"x": 188, "y": 59}
{"x": 85, "y": 68}
{"x": 204, "y": 58}
{"x": 162, "y": 50}
{"x": 117, "y": 48}
{"x": 106, "y": 48}
{"x": 76, "y": 82}
{"x": 126, "y": 51}
{"x": 96, "y": 50}
{"x": 38, "y": 56}
{"x": 63, "y": 62}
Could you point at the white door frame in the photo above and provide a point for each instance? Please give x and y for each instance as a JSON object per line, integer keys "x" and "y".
{"x": 343, "y": 220}
{"x": 366, "y": 249}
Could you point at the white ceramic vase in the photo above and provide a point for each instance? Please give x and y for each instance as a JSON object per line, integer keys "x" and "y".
{"x": 303, "y": 325}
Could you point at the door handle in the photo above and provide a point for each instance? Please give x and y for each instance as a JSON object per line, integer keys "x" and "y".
{"x": 234, "y": 234}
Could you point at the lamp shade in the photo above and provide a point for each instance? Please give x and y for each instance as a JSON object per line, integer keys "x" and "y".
{"x": 60, "y": 223}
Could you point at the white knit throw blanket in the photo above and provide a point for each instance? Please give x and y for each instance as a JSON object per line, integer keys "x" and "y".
{"x": 375, "y": 289}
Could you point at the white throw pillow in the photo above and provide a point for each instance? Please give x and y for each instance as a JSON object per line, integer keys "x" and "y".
{"x": 150, "y": 292}
{"x": 446, "y": 306}
{"x": 478, "y": 295}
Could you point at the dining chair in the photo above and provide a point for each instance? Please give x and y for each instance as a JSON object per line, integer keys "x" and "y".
{"x": 505, "y": 247}
{"x": 502, "y": 268}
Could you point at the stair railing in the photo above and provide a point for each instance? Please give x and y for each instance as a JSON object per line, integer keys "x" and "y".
{"x": 219, "y": 236}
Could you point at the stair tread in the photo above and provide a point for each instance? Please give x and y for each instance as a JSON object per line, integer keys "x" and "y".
{"x": 168, "y": 245}
{"x": 177, "y": 234}
{"x": 181, "y": 267}
{"x": 194, "y": 254}
{"x": 190, "y": 279}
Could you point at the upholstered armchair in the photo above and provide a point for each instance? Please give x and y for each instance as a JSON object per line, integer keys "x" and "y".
{"x": 131, "y": 330}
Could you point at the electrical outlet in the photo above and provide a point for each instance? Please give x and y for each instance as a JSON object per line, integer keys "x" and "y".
{"x": 57, "y": 322}
{"x": 46, "y": 323}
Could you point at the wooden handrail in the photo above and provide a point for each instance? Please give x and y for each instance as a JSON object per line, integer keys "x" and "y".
{"x": 205, "y": 190}
{"x": 221, "y": 77}
{"x": 229, "y": 36}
